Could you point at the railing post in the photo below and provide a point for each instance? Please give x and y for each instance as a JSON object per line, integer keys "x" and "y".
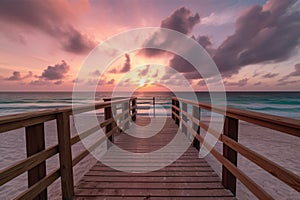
{"x": 177, "y": 119}
{"x": 35, "y": 142}
{"x": 108, "y": 128}
{"x": 154, "y": 106}
{"x": 230, "y": 130}
{"x": 196, "y": 127}
{"x": 184, "y": 118}
{"x": 65, "y": 155}
{"x": 173, "y": 110}
{"x": 133, "y": 104}
{"x": 125, "y": 108}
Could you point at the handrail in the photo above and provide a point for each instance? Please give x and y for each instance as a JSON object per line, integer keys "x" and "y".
{"x": 35, "y": 143}
{"x": 282, "y": 124}
{"x": 229, "y": 139}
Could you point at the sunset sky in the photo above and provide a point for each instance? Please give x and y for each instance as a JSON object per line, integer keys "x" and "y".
{"x": 255, "y": 44}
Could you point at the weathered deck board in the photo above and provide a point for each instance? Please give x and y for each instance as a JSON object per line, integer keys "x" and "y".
{"x": 189, "y": 177}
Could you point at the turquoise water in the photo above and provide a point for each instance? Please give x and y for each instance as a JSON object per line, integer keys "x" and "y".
{"x": 285, "y": 104}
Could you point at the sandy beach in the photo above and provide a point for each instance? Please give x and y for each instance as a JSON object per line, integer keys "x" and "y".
{"x": 278, "y": 147}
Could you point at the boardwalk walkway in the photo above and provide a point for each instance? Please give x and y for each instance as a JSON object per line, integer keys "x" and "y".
{"x": 189, "y": 177}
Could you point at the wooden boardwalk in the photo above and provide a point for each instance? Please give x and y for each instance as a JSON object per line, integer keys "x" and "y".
{"x": 189, "y": 177}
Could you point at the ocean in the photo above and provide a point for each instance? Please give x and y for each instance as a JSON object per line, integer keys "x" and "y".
{"x": 286, "y": 104}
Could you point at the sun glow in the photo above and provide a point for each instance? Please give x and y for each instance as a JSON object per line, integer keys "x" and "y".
{"x": 142, "y": 82}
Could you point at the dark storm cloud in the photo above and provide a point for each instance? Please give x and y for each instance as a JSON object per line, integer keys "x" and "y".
{"x": 55, "y": 72}
{"x": 270, "y": 75}
{"x": 49, "y": 17}
{"x": 262, "y": 34}
{"x": 16, "y": 76}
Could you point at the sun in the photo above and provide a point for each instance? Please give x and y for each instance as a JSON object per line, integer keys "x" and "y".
{"x": 142, "y": 82}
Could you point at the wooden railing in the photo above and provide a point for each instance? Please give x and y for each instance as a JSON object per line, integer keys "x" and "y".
{"x": 35, "y": 163}
{"x": 231, "y": 146}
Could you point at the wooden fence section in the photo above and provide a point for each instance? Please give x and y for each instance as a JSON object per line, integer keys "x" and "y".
{"x": 34, "y": 164}
{"x": 231, "y": 146}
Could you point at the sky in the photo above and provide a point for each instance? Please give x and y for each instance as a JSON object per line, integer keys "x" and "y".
{"x": 44, "y": 44}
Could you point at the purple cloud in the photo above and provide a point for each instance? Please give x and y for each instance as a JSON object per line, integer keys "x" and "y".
{"x": 126, "y": 67}
{"x": 156, "y": 74}
{"x": 257, "y": 83}
{"x": 52, "y": 74}
{"x": 112, "y": 81}
{"x": 296, "y": 72}
{"x": 16, "y": 76}
{"x": 48, "y": 17}
{"x": 262, "y": 34}
{"x": 270, "y": 75}
{"x": 181, "y": 20}
{"x": 55, "y": 72}
{"x": 145, "y": 71}
{"x": 240, "y": 83}
{"x": 95, "y": 73}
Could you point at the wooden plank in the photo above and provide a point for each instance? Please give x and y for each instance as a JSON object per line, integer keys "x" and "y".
{"x": 39, "y": 186}
{"x": 154, "y": 192}
{"x": 25, "y": 123}
{"x": 149, "y": 185}
{"x": 65, "y": 155}
{"x": 230, "y": 130}
{"x": 154, "y": 198}
{"x": 35, "y": 143}
{"x": 22, "y": 166}
{"x": 158, "y": 179}
{"x": 152, "y": 174}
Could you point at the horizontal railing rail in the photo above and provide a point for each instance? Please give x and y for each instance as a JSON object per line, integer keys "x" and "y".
{"x": 231, "y": 146}
{"x": 37, "y": 154}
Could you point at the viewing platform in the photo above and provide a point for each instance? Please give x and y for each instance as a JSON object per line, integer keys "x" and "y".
{"x": 188, "y": 177}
